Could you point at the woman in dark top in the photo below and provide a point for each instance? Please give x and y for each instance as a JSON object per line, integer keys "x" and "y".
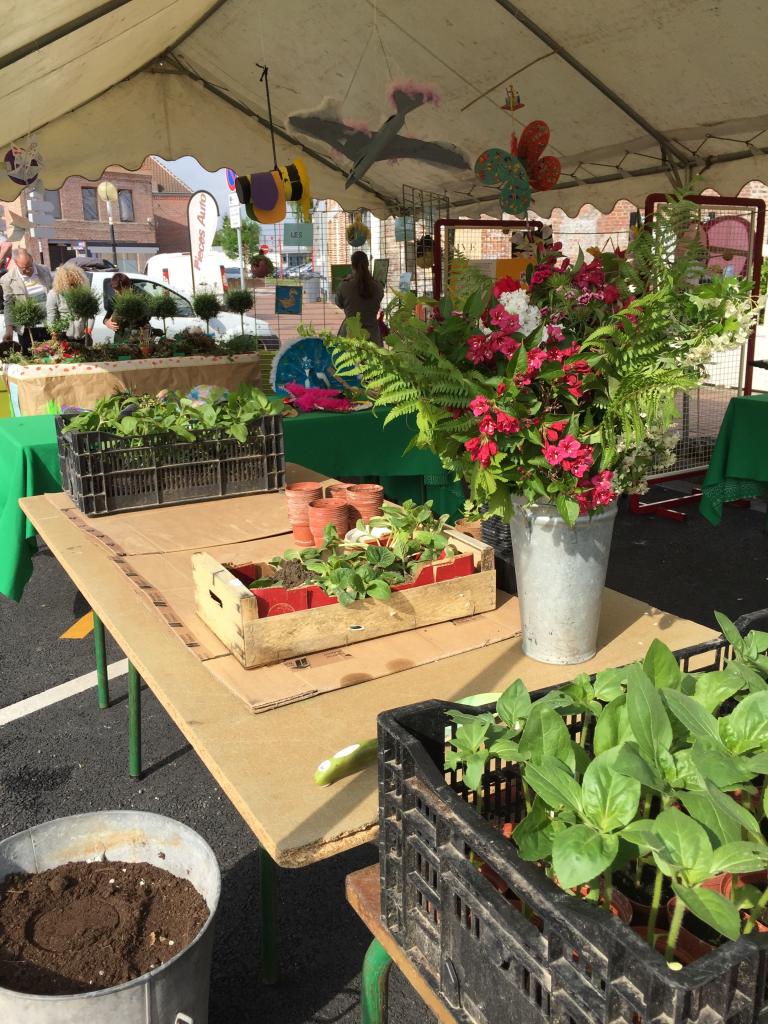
{"x": 360, "y": 294}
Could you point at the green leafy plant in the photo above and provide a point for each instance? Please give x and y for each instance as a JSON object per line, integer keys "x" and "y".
{"x": 663, "y": 778}
{"x": 82, "y": 303}
{"x": 226, "y": 237}
{"x": 130, "y": 310}
{"x": 239, "y": 300}
{"x": 26, "y": 314}
{"x": 206, "y": 305}
{"x": 58, "y": 326}
{"x": 163, "y": 305}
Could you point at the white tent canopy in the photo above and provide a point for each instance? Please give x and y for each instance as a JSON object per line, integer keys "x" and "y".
{"x": 637, "y": 96}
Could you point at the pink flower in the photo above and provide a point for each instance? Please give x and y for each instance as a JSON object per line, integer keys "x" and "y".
{"x": 472, "y": 445}
{"x": 480, "y": 405}
{"x": 486, "y": 453}
{"x": 505, "y": 423}
{"x": 488, "y": 425}
{"x": 507, "y": 345}
{"x": 541, "y": 273}
{"x": 509, "y": 323}
{"x": 552, "y": 454}
{"x": 501, "y": 389}
{"x": 552, "y": 432}
{"x": 555, "y": 332}
{"x": 611, "y": 294}
{"x": 536, "y": 358}
{"x": 505, "y": 284}
{"x": 598, "y": 494}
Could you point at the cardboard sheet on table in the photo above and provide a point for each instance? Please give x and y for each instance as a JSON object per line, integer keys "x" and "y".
{"x": 274, "y": 685}
{"x": 200, "y": 525}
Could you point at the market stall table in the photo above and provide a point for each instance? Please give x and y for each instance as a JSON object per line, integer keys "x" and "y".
{"x": 336, "y": 444}
{"x": 739, "y": 464}
{"x": 247, "y": 753}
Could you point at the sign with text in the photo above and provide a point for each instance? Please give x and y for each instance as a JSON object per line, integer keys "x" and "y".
{"x": 234, "y": 210}
{"x": 298, "y": 235}
{"x": 202, "y": 217}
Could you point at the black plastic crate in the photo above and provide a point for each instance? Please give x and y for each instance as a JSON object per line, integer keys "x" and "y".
{"x": 568, "y": 962}
{"x": 106, "y": 473}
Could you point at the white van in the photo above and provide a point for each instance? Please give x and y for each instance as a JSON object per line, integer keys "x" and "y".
{"x": 175, "y": 269}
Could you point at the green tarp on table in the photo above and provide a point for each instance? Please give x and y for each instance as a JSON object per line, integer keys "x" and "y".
{"x": 29, "y": 464}
{"x": 739, "y": 464}
{"x": 337, "y": 444}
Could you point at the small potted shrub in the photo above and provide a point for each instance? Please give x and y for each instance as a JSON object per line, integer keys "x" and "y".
{"x": 83, "y": 306}
{"x": 206, "y": 305}
{"x": 239, "y": 300}
{"x": 26, "y": 314}
{"x": 164, "y": 307}
{"x": 130, "y": 311}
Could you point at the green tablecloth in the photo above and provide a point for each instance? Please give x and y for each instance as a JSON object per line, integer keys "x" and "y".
{"x": 338, "y": 444}
{"x": 739, "y": 464}
{"x": 29, "y": 464}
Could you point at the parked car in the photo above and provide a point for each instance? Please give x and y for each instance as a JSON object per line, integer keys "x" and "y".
{"x": 301, "y": 271}
{"x": 224, "y": 325}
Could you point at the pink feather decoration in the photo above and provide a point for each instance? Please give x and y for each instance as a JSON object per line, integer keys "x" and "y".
{"x": 321, "y": 399}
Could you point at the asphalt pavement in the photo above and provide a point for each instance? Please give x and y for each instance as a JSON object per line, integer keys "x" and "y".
{"x": 71, "y": 757}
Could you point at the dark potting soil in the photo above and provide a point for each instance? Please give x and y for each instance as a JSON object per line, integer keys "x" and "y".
{"x": 293, "y": 573}
{"x": 86, "y": 926}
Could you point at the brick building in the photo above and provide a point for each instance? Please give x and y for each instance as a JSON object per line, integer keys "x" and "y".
{"x": 150, "y": 216}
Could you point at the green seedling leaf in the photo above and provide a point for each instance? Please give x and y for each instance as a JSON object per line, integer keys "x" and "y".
{"x": 661, "y": 667}
{"x": 750, "y": 680}
{"x": 549, "y": 778}
{"x": 506, "y": 749}
{"x": 610, "y": 683}
{"x": 612, "y": 727}
{"x": 746, "y": 728}
{"x": 712, "y": 688}
{"x": 724, "y": 769}
{"x": 686, "y": 842}
{"x": 580, "y": 854}
{"x": 686, "y": 775}
{"x": 711, "y": 908}
{"x": 739, "y": 857}
{"x": 379, "y": 590}
{"x": 647, "y": 717}
{"x": 536, "y": 832}
{"x": 471, "y": 736}
{"x": 698, "y": 722}
{"x": 609, "y": 800}
{"x": 380, "y": 557}
{"x": 473, "y": 773}
{"x": 514, "y": 705}
{"x": 629, "y": 762}
{"x": 729, "y": 631}
{"x": 722, "y": 826}
{"x": 545, "y": 733}
{"x": 643, "y": 835}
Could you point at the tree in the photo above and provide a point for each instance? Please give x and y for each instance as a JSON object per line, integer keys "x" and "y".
{"x": 226, "y": 237}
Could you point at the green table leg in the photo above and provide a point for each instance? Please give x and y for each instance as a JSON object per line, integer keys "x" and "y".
{"x": 373, "y": 986}
{"x": 102, "y": 680}
{"x": 134, "y": 722}
{"x": 270, "y": 967}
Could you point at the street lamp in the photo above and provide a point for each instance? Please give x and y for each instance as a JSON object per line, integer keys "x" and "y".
{"x": 108, "y": 194}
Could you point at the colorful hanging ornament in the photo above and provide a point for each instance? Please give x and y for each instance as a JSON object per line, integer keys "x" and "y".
{"x": 521, "y": 171}
{"x": 358, "y": 233}
{"x": 512, "y": 100}
{"x": 22, "y": 164}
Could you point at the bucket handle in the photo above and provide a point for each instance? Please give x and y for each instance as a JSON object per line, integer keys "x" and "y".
{"x": 182, "y": 1018}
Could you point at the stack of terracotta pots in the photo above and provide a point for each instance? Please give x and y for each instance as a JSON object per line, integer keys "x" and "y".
{"x": 299, "y": 497}
{"x": 328, "y": 511}
{"x": 365, "y": 501}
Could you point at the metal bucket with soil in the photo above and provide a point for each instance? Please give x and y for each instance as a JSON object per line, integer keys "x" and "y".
{"x": 107, "y": 916}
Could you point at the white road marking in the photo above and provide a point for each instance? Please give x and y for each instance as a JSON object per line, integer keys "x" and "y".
{"x": 38, "y": 701}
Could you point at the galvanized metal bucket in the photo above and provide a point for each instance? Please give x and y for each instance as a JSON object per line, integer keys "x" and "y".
{"x": 560, "y": 573}
{"x": 177, "y": 992}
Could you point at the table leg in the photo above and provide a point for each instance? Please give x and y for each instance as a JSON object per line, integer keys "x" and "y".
{"x": 134, "y": 722}
{"x": 270, "y": 967}
{"x": 102, "y": 680}
{"x": 373, "y": 985}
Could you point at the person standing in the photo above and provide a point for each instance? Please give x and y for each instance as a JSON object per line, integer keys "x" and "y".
{"x": 67, "y": 276}
{"x": 361, "y": 294}
{"x": 24, "y": 279}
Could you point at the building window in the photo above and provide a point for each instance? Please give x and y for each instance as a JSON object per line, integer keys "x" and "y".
{"x": 52, "y": 196}
{"x": 90, "y": 204}
{"x": 125, "y": 202}
{"x": 128, "y": 262}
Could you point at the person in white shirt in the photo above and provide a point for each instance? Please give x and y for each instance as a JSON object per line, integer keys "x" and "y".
{"x": 24, "y": 279}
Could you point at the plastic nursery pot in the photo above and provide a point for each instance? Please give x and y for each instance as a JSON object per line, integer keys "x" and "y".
{"x": 620, "y": 905}
{"x": 682, "y": 953}
{"x": 327, "y": 511}
{"x": 298, "y": 497}
{"x": 695, "y": 946}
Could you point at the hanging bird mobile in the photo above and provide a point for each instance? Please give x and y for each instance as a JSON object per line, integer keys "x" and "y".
{"x": 520, "y": 171}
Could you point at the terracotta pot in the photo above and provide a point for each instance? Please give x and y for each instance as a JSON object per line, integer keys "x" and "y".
{"x": 682, "y": 953}
{"x": 695, "y": 946}
{"x": 298, "y": 497}
{"x": 302, "y": 535}
{"x": 620, "y": 905}
{"x": 336, "y": 491}
{"x": 366, "y": 500}
{"x": 642, "y": 911}
{"x": 324, "y": 511}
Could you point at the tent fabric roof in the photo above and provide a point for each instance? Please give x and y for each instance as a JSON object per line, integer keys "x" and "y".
{"x": 638, "y": 97}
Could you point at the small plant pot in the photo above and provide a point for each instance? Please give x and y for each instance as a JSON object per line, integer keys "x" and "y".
{"x": 302, "y": 535}
{"x": 682, "y": 952}
{"x": 620, "y": 905}
{"x": 366, "y": 500}
{"x": 298, "y": 497}
{"x": 642, "y": 911}
{"x": 327, "y": 511}
{"x": 336, "y": 491}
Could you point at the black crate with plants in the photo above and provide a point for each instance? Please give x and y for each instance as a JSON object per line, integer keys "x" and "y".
{"x": 142, "y": 451}
{"x": 594, "y": 853}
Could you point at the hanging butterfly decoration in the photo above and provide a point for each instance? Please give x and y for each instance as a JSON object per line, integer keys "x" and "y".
{"x": 521, "y": 171}
{"x": 358, "y": 232}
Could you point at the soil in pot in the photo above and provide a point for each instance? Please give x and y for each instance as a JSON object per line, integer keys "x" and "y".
{"x": 640, "y": 896}
{"x": 83, "y": 926}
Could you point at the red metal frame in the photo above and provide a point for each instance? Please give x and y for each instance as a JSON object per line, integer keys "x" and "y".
{"x": 437, "y": 260}
{"x": 668, "y": 507}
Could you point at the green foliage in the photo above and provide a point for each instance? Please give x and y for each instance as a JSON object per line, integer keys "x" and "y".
{"x": 465, "y": 280}
{"x": 226, "y": 238}
{"x": 130, "y": 310}
{"x": 668, "y": 773}
{"x": 206, "y": 305}
{"x": 82, "y": 303}
{"x": 239, "y": 300}
{"x": 141, "y": 416}
{"x": 164, "y": 307}
{"x": 27, "y": 313}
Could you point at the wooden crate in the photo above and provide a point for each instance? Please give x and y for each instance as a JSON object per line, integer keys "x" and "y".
{"x": 229, "y": 608}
